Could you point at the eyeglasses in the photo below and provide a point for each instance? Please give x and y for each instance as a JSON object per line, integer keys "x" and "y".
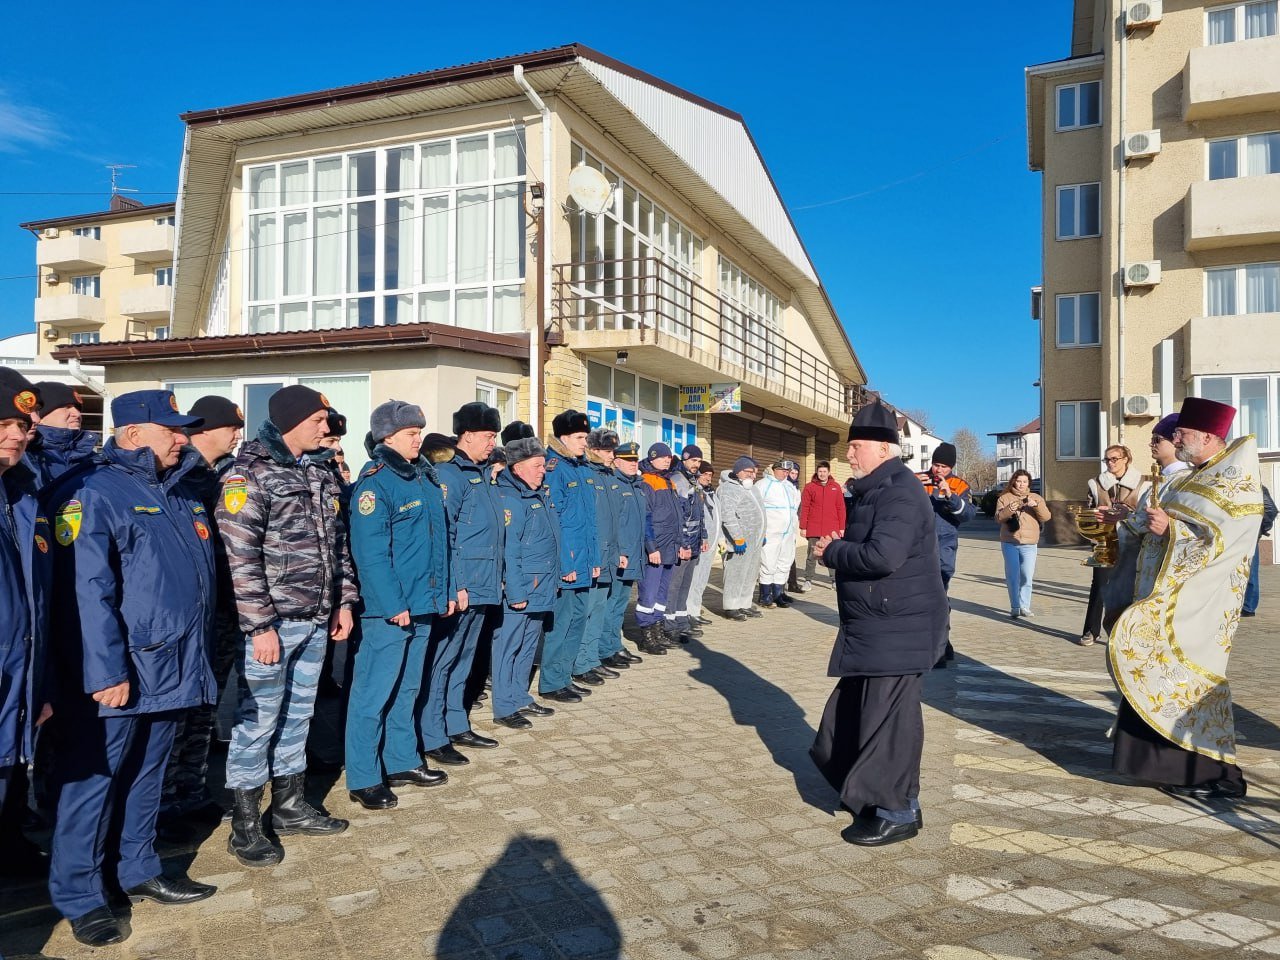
{"x": 1112, "y": 459}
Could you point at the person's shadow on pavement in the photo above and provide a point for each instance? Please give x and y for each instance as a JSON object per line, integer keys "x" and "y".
{"x": 531, "y": 902}
{"x": 778, "y": 720}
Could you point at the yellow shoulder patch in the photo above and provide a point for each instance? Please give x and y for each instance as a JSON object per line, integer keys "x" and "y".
{"x": 66, "y": 524}
{"x": 235, "y": 493}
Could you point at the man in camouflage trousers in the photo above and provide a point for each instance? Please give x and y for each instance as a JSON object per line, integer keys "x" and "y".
{"x": 281, "y": 520}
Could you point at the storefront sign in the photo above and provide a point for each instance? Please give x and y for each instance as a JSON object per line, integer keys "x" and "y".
{"x": 711, "y": 398}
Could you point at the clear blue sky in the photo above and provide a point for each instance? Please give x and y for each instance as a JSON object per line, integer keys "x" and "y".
{"x": 918, "y": 120}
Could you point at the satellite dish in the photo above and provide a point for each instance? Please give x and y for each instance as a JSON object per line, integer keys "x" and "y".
{"x": 590, "y": 190}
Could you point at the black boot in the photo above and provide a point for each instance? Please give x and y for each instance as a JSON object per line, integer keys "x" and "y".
{"x": 290, "y": 812}
{"x": 246, "y": 842}
{"x": 650, "y": 643}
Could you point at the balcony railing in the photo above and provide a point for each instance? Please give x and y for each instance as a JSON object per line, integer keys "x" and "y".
{"x": 663, "y": 304}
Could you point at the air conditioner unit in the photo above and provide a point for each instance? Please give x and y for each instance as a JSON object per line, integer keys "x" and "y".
{"x": 51, "y": 278}
{"x": 1145, "y": 13}
{"x": 1143, "y": 274}
{"x": 1142, "y": 405}
{"x": 50, "y": 333}
{"x": 1143, "y": 144}
{"x": 49, "y": 233}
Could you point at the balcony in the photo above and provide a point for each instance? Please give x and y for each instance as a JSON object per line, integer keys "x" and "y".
{"x": 69, "y": 253}
{"x": 149, "y": 243}
{"x": 70, "y": 308}
{"x": 147, "y": 303}
{"x": 675, "y": 329}
{"x": 1232, "y": 78}
{"x": 1239, "y": 212}
{"x": 1236, "y": 344}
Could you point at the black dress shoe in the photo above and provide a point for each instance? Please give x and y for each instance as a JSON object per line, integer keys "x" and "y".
{"x": 1213, "y": 790}
{"x": 878, "y": 832}
{"x": 590, "y": 679}
{"x": 536, "y": 710}
{"x": 617, "y": 661}
{"x": 473, "y": 739}
{"x": 753, "y": 612}
{"x": 563, "y": 695}
{"x": 739, "y": 615}
{"x": 422, "y": 776}
{"x": 702, "y": 621}
{"x": 580, "y": 691}
{"x": 377, "y": 797}
{"x": 629, "y": 656}
{"x": 516, "y": 721}
{"x": 97, "y": 928}
{"x": 447, "y": 755}
{"x": 170, "y": 890}
{"x": 606, "y": 672}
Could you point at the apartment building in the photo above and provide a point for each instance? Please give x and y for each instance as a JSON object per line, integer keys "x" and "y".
{"x": 1018, "y": 449}
{"x": 104, "y": 276}
{"x": 1158, "y": 141}
{"x": 417, "y": 238}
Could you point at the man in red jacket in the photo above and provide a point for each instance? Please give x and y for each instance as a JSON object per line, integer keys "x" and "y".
{"x": 821, "y": 514}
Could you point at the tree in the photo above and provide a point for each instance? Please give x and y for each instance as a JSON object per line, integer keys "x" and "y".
{"x": 920, "y": 416}
{"x": 972, "y": 462}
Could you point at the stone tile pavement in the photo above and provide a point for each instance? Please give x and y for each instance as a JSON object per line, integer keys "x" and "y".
{"x": 675, "y": 814}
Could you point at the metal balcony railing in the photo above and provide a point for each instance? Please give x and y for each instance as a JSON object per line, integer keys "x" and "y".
{"x": 653, "y": 296}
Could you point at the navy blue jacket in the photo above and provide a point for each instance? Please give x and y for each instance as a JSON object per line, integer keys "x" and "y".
{"x": 134, "y": 571}
{"x": 664, "y": 526}
{"x": 399, "y": 537}
{"x": 475, "y": 529}
{"x": 55, "y": 450}
{"x": 631, "y": 511}
{"x": 892, "y": 605}
{"x": 571, "y": 483}
{"x": 606, "y": 488}
{"x": 532, "y": 548}
{"x": 26, "y": 570}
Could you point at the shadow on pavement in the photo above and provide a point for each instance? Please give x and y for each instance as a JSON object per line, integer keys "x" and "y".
{"x": 531, "y": 902}
{"x": 1001, "y": 616}
{"x": 1050, "y": 588}
{"x": 778, "y": 720}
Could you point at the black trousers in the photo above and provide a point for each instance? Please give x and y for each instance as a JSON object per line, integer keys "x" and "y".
{"x": 1142, "y": 753}
{"x": 1093, "y": 613}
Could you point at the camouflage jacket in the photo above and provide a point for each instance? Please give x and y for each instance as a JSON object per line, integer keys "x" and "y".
{"x": 286, "y": 538}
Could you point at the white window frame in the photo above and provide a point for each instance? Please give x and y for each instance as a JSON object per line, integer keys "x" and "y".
{"x": 754, "y": 313}
{"x": 94, "y": 281}
{"x": 1239, "y": 9}
{"x": 1242, "y": 154}
{"x": 645, "y": 418}
{"x": 83, "y": 337}
{"x": 93, "y": 233}
{"x": 1057, "y": 208}
{"x": 490, "y": 393}
{"x": 1057, "y": 327}
{"x": 161, "y": 332}
{"x": 1265, "y": 444}
{"x": 168, "y": 221}
{"x": 1242, "y": 290}
{"x": 1096, "y": 414}
{"x": 1059, "y": 127}
{"x": 164, "y": 276}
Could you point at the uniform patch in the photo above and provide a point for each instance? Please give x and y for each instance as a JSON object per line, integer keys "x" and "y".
{"x": 367, "y": 503}
{"x": 239, "y": 413}
{"x": 235, "y": 493}
{"x": 410, "y": 505}
{"x": 551, "y": 462}
{"x": 325, "y": 400}
{"x": 337, "y": 505}
{"x": 66, "y": 524}
{"x": 42, "y": 544}
{"x": 202, "y": 529}
{"x": 173, "y": 402}
{"x": 477, "y": 480}
{"x": 506, "y": 518}
{"x": 143, "y": 508}
{"x": 444, "y": 490}
{"x": 25, "y": 403}
{"x": 572, "y": 483}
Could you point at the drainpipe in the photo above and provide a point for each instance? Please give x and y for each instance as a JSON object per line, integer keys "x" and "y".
{"x": 546, "y": 219}
{"x": 1120, "y": 220}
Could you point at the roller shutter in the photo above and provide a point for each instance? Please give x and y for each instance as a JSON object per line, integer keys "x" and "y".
{"x": 730, "y": 439}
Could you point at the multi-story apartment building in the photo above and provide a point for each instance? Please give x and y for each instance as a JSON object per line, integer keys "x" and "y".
{"x": 1018, "y": 450}
{"x": 1159, "y": 143}
{"x": 417, "y": 238}
{"x": 104, "y": 276}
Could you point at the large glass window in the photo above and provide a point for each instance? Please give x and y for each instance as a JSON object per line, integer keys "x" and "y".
{"x": 1256, "y": 398}
{"x": 426, "y": 232}
{"x": 346, "y": 393}
{"x": 1255, "y": 155}
{"x": 1079, "y": 211}
{"x": 1079, "y": 105}
{"x": 1079, "y": 437}
{"x": 1078, "y": 320}
{"x": 751, "y": 321}
{"x": 612, "y": 402}
{"x": 1247, "y": 288}
{"x": 1241, "y": 21}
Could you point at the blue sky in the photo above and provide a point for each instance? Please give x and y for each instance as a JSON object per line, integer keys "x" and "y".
{"x": 897, "y": 142}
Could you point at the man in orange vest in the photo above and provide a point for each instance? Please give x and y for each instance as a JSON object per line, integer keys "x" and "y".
{"x": 952, "y": 506}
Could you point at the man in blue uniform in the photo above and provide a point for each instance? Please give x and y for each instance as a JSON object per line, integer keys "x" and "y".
{"x": 627, "y": 489}
{"x": 401, "y": 548}
{"x": 475, "y": 559}
{"x": 677, "y": 624}
{"x": 531, "y": 558}
{"x": 134, "y": 564}
{"x": 588, "y": 667}
{"x": 59, "y": 443}
{"x": 663, "y": 543}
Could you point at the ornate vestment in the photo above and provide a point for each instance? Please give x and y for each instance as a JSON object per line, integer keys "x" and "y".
{"x": 1168, "y": 651}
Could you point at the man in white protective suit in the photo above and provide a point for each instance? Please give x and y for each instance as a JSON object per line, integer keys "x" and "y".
{"x": 781, "y": 501}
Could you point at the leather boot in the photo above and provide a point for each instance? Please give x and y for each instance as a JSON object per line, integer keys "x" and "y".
{"x": 290, "y": 812}
{"x": 649, "y": 642}
{"x": 246, "y": 842}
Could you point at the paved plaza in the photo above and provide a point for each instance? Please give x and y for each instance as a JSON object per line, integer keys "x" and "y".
{"x": 675, "y": 813}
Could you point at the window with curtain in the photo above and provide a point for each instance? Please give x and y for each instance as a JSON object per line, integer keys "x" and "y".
{"x": 1241, "y": 21}
{"x": 1247, "y": 288}
{"x": 1256, "y": 398}
{"x": 1255, "y": 155}
{"x": 425, "y": 232}
{"x": 752, "y": 322}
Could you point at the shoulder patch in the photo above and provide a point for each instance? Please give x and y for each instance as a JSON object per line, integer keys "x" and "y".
{"x": 66, "y": 524}
{"x": 367, "y": 503}
{"x": 506, "y": 518}
{"x": 551, "y": 463}
{"x": 370, "y": 470}
{"x": 42, "y": 544}
{"x": 235, "y": 493}
{"x": 202, "y": 530}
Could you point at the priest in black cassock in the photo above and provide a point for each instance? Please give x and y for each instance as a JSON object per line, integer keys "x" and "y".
{"x": 893, "y": 628}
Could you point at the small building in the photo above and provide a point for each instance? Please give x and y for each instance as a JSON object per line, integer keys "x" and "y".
{"x": 1018, "y": 450}
{"x": 417, "y": 238}
{"x": 918, "y": 443}
{"x": 21, "y": 352}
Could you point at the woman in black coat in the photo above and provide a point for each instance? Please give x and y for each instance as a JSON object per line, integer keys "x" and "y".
{"x": 893, "y": 627}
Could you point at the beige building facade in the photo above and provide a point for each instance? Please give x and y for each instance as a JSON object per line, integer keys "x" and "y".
{"x": 1158, "y": 141}
{"x": 420, "y": 238}
{"x": 104, "y": 276}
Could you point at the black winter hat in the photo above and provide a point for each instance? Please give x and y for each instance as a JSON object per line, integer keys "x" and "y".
{"x": 289, "y": 406}
{"x": 515, "y": 430}
{"x": 53, "y": 395}
{"x": 875, "y": 421}
{"x": 945, "y": 454}
{"x": 571, "y": 421}
{"x": 476, "y": 417}
{"x": 18, "y": 399}
{"x": 216, "y": 412}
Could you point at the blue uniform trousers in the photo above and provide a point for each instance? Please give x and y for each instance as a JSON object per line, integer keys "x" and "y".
{"x": 651, "y": 604}
{"x": 441, "y": 713}
{"x": 610, "y": 641}
{"x": 515, "y": 642}
{"x": 382, "y": 737}
{"x": 562, "y": 639}
{"x": 276, "y": 703}
{"x": 597, "y": 613}
{"x": 111, "y": 771}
